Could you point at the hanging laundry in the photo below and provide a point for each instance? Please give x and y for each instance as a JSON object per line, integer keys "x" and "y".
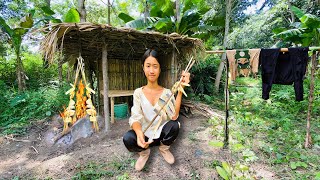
{"x": 285, "y": 68}
{"x": 246, "y": 61}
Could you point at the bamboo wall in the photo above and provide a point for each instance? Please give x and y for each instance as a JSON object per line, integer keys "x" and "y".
{"x": 129, "y": 75}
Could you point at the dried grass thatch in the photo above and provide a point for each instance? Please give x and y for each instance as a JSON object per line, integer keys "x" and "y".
{"x": 122, "y": 43}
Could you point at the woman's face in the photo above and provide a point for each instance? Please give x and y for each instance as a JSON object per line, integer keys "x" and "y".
{"x": 151, "y": 68}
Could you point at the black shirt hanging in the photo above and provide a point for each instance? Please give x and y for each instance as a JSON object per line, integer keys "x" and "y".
{"x": 283, "y": 68}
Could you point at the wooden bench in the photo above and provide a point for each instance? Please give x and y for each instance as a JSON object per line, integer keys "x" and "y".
{"x": 116, "y": 93}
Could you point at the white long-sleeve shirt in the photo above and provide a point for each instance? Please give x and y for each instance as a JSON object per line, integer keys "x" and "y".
{"x": 143, "y": 112}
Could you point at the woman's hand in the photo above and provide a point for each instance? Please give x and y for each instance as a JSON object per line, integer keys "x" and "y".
{"x": 140, "y": 140}
{"x": 185, "y": 77}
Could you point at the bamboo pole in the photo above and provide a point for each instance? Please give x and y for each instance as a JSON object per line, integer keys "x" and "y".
{"x": 311, "y": 97}
{"x": 173, "y": 67}
{"x": 281, "y": 50}
{"x": 98, "y": 87}
{"x": 105, "y": 86}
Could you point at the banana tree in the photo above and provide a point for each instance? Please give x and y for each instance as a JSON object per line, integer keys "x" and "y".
{"x": 15, "y": 36}
{"x": 306, "y": 33}
{"x": 162, "y": 18}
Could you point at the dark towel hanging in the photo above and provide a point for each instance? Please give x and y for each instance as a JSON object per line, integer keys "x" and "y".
{"x": 285, "y": 68}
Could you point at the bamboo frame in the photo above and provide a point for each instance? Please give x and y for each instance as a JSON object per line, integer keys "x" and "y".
{"x": 105, "y": 87}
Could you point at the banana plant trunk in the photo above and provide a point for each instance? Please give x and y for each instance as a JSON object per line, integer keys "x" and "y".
{"x": 20, "y": 73}
{"x": 82, "y": 10}
{"x": 225, "y": 41}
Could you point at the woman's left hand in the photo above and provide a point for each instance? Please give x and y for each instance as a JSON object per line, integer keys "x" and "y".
{"x": 185, "y": 77}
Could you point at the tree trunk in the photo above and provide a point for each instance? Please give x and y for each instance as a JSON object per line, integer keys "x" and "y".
{"x": 48, "y": 3}
{"x": 109, "y": 23}
{"x": 82, "y": 10}
{"x": 60, "y": 71}
{"x": 225, "y": 41}
{"x": 291, "y": 13}
{"x": 21, "y": 78}
{"x": 311, "y": 93}
{"x": 178, "y": 10}
{"x": 146, "y": 12}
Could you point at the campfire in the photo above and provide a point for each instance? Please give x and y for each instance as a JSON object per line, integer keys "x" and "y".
{"x": 83, "y": 104}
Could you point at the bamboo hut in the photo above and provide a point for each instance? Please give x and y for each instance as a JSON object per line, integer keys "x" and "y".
{"x": 113, "y": 55}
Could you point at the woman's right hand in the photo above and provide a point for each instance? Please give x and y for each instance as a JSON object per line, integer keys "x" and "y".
{"x": 141, "y": 141}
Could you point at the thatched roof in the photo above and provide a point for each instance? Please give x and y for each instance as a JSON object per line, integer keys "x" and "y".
{"x": 122, "y": 43}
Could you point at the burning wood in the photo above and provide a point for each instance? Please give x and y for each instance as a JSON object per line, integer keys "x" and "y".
{"x": 77, "y": 110}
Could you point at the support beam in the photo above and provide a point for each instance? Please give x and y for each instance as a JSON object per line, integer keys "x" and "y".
{"x": 98, "y": 87}
{"x": 105, "y": 86}
{"x": 173, "y": 68}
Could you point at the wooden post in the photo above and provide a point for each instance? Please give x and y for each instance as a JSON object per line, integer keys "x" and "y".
{"x": 98, "y": 87}
{"x": 112, "y": 110}
{"x": 313, "y": 69}
{"x": 105, "y": 86}
{"x": 173, "y": 68}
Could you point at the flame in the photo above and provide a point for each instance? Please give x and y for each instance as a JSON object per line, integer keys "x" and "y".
{"x": 63, "y": 112}
{"x": 81, "y": 101}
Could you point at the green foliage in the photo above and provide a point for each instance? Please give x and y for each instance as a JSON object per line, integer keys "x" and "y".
{"x": 238, "y": 171}
{"x": 125, "y": 17}
{"x": 16, "y": 34}
{"x": 275, "y": 128}
{"x": 72, "y": 16}
{"x": 216, "y": 144}
{"x": 205, "y": 71}
{"x": 18, "y": 110}
{"x": 306, "y": 32}
{"x": 163, "y": 18}
{"x": 115, "y": 169}
{"x": 92, "y": 171}
{"x": 43, "y": 98}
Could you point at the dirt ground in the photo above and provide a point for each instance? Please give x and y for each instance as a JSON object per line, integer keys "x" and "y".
{"x": 34, "y": 157}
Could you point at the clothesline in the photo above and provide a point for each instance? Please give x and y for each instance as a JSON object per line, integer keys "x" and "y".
{"x": 311, "y": 97}
{"x": 281, "y": 50}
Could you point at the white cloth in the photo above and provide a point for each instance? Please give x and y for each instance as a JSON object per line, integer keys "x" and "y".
{"x": 143, "y": 112}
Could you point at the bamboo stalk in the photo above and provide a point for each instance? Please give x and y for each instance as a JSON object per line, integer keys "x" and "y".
{"x": 311, "y": 97}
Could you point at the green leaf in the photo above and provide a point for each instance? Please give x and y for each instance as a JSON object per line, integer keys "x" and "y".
{"x": 26, "y": 21}
{"x": 310, "y": 21}
{"x": 142, "y": 23}
{"x": 48, "y": 113}
{"x": 56, "y": 20}
{"x": 47, "y": 10}
{"x": 293, "y": 165}
{"x": 278, "y": 30}
{"x": 6, "y": 27}
{"x": 298, "y": 12}
{"x": 125, "y": 17}
{"x": 302, "y": 164}
{"x": 216, "y": 144}
{"x": 242, "y": 167}
{"x": 222, "y": 173}
{"x": 19, "y": 31}
{"x": 163, "y": 25}
{"x": 72, "y": 16}
{"x": 317, "y": 176}
{"x": 238, "y": 147}
{"x": 227, "y": 168}
{"x": 32, "y": 12}
{"x": 17, "y": 100}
